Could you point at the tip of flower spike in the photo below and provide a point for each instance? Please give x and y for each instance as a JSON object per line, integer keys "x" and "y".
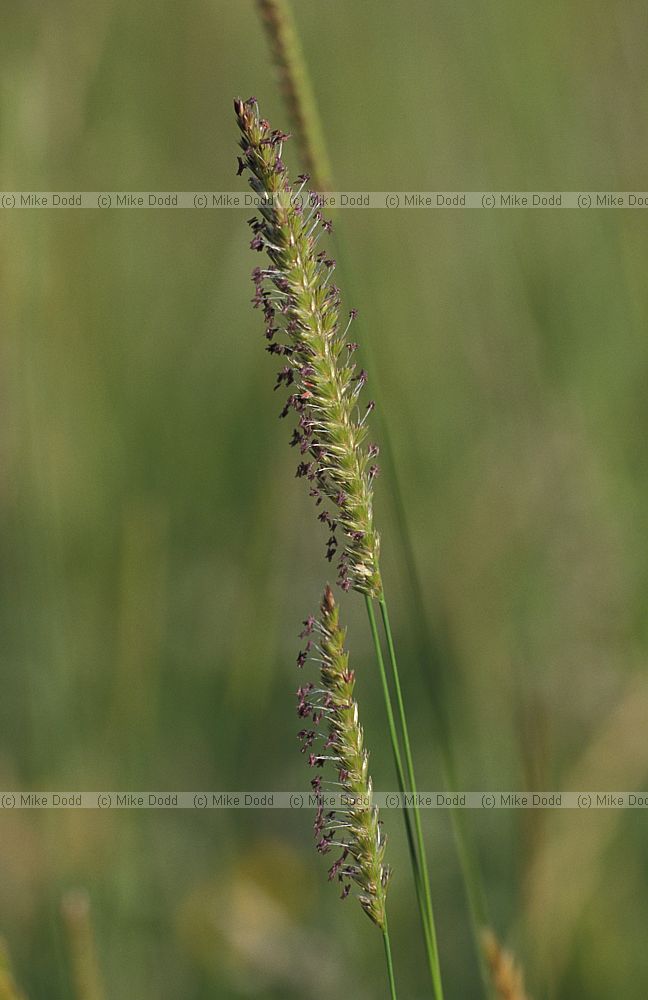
{"x": 242, "y": 109}
{"x": 328, "y": 603}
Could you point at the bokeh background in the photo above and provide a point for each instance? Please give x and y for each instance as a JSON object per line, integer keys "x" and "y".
{"x": 158, "y": 555}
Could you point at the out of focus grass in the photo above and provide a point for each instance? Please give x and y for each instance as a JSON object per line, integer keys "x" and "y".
{"x": 157, "y": 555}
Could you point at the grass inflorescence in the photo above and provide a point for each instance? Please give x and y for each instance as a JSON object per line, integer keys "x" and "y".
{"x": 353, "y": 829}
{"x": 301, "y": 307}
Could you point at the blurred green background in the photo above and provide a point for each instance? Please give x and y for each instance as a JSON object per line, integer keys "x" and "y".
{"x": 158, "y": 555}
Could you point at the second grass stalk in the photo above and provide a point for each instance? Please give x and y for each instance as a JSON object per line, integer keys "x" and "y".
{"x": 407, "y": 783}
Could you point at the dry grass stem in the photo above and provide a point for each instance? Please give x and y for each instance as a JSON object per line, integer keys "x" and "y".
{"x": 506, "y": 976}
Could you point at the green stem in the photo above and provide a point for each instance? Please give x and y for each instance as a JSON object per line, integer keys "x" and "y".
{"x": 435, "y": 678}
{"x": 428, "y": 931}
{"x": 409, "y": 764}
{"x": 400, "y": 774}
{"x": 390, "y": 964}
{"x": 296, "y": 86}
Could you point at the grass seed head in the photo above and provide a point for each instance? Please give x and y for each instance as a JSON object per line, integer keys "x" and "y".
{"x": 334, "y": 738}
{"x": 301, "y": 308}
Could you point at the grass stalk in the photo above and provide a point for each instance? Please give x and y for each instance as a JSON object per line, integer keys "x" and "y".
{"x": 433, "y": 950}
{"x": 390, "y": 964}
{"x": 296, "y": 88}
{"x": 468, "y": 859}
{"x": 400, "y": 774}
{"x": 506, "y": 974}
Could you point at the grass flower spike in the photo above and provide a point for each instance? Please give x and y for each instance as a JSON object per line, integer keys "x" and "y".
{"x": 301, "y": 307}
{"x": 506, "y": 976}
{"x": 354, "y": 830}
